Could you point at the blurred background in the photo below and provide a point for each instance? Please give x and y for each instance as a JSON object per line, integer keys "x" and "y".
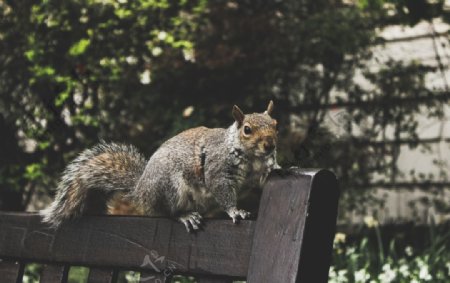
{"x": 360, "y": 87}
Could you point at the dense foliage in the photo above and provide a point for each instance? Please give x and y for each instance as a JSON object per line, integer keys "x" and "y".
{"x": 73, "y": 72}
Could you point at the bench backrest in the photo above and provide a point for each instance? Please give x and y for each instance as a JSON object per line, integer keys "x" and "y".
{"x": 291, "y": 241}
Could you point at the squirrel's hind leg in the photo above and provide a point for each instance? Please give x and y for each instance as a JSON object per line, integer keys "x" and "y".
{"x": 96, "y": 202}
{"x": 191, "y": 220}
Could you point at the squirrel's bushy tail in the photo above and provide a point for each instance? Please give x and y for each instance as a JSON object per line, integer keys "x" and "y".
{"x": 90, "y": 179}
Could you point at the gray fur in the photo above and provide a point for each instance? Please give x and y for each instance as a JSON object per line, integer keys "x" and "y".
{"x": 184, "y": 178}
{"x": 170, "y": 187}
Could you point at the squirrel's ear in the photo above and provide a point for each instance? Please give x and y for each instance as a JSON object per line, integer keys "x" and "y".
{"x": 238, "y": 115}
{"x": 269, "y": 108}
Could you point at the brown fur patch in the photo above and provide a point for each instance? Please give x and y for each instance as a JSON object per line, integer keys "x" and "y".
{"x": 194, "y": 133}
{"x": 119, "y": 205}
{"x": 197, "y": 135}
{"x": 113, "y": 163}
{"x": 73, "y": 194}
{"x": 198, "y": 169}
{"x": 104, "y": 159}
{"x": 198, "y": 157}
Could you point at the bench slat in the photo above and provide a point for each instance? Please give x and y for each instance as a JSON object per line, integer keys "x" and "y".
{"x": 53, "y": 273}
{"x": 102, "y": 275}
{"x": 11, "y": 271}
{"x": 291, "y": 241}
{"x": 320, "y": 228}
{"x": 124, "y": 242}
{"x": 295, "y": 228}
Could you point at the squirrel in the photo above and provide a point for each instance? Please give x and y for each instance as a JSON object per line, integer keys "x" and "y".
{"x": 186, "y": 176}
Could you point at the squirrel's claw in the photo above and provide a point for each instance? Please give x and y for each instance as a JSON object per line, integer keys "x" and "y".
{"x": 235, "y": 214}
{"x": 186, "y": 224}
{"x": 191, "y": 221}
{"x": 193, "y": 224}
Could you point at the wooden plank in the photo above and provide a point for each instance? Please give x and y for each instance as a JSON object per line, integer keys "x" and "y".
{"x": 317, "y": 246}
{"x": 102, "y": 275}
{"x": 11, "y": 271}
{"x": 294, "y": 231}
{"x": 54, "y": 273}
{"x": 124, "y": 242}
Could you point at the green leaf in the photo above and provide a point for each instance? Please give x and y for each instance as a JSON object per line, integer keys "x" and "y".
{"x": 43, "y": 71}
{"x": 33, "y": 171}
{"x": 44, "y": 145}
{"x": 123, "y": 13}
{"x": 30, "y": 54}
{"x": 79, "y": 47}
{"x": 61, "y": 98}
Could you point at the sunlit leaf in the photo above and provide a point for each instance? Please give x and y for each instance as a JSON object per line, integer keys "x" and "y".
{"x": 79, "y": 47}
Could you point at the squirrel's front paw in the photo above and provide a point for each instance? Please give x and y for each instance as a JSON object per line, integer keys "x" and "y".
{"x": 235, "y": 214}
{"x": 192, "y": 219}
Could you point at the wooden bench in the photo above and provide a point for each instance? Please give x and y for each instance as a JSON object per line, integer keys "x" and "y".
{"x": 291, "y": 240}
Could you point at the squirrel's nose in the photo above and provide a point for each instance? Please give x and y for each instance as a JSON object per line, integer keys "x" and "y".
{"x": 268, "y": 147}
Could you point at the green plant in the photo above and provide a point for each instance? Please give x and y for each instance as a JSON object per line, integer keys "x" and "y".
{"x": 370, "y": 260}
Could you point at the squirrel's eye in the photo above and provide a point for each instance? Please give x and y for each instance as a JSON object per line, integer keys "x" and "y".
{"x": 247, "y": 130}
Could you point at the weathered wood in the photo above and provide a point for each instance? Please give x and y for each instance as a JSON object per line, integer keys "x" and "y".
{"x": 11, "y": 271}
{"x": 102, "y": 275}
{"x": 317, "y": 245}
{"x": 283, "y": 250}
{"x": 125, "y": 242}
{"x": 291, "y": 241}
{"x": 52, "y": 273}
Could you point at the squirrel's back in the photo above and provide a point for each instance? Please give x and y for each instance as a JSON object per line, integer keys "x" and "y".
{"x": 186, "y": 176}
{"x": 174, "y": 178}
{"x": 91, "y": 179}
